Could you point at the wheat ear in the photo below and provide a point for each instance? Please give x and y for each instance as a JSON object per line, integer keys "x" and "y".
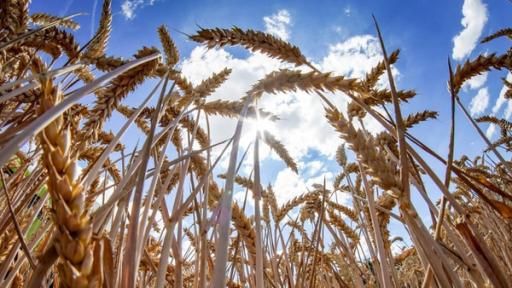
{"x": 74, "y": 228}
{"x": 44, "y": 19}
{"x": 365, "y": 147}
{"x": 500, "y": 33}
{"x": 280, "y": 150}
{"x": 98, "y": 43}
{"x": 416, "y": 118}
{"x": 110, "y": 97}
{"x": 475, "y": 67}
{"x": 172, "y": 55}
{"x": 252, "y": 40}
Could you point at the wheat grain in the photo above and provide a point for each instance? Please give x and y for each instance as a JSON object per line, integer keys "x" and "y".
{"x": 373, "y": 76}
{"x": 310, "y": 249}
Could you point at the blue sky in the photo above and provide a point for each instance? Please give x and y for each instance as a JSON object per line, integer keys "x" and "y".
{"x": 337, "y": 36}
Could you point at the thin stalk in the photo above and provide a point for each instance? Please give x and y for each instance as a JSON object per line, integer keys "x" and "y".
{"x": 21, "y": 238}
{"x": 451, "y": 147}
{"x": 130, "y": 262}
{"x": 257, "y": 198}
{"x": 505, "y": 163}
{"x": 384, "y": 264}
{"x": 221, "y": 250}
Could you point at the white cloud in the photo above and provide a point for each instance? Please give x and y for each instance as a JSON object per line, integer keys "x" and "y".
{"x": 501, "y": 98}
{"x": 202, "y": 63}
{"x": 497, "y": 106}
{"x": 289, "y": 185}
{"x": 508, "y": 111}
{"x": 354, "y": 57}
{"x": 129, "y": 7}
{"x": 244, "y": 196}
{"x": 490, "y": 131}
{"x": 475, "y": 17}
{"x": 475, "y": 82}
{"x": 314, "y": 167}
{"x": 480, "y": 102}
{"x": 302, "y": 127}
{"x": 278, "y": 23}
{"x": 326, "y": 177}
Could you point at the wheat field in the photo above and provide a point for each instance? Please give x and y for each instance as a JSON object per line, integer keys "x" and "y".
{"x": 79, "y": 209}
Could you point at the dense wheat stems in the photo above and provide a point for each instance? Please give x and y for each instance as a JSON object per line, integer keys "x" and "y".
{"x": 13, "y": 145}
{"x": 104, "y": 188}
{"x": 129, "y": 270}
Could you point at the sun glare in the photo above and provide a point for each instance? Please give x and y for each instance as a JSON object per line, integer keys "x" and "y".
{"x": 263, "y": 124}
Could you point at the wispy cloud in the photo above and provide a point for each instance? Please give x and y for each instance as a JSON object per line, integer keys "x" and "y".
{"x": 497, "y": 107}
{"x": 475, "y": 82}
{"x": 291, "y": 185}
{"x": 480, "y": 102}
{"x": 501, "y": 98}
{"x": 67, "y": 6}
{"x": 348, "y": 11}
{"x": 93, "y": 16}
{"x": 129, "y": 7}
{"x": 301, "y": 127}
{"x": 490, "y": 131}
{"x": 475, "y": 17}
{"x": 278, "y": 24}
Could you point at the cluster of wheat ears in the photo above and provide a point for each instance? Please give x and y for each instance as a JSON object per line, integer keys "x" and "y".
{"x": 60, "y": 228}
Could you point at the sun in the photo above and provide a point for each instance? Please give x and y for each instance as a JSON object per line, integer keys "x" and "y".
{"x": 263, "y": 124}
